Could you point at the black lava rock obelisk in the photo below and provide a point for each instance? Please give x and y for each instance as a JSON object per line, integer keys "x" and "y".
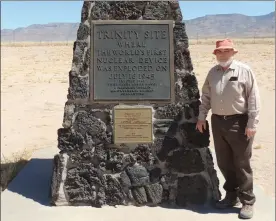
{"x": 177, "y": 168}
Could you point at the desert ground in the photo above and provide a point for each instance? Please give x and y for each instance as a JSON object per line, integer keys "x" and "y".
{"x": 34, "y": 84}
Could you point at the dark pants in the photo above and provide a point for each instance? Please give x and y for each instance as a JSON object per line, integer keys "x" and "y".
{"x": 233, "y": 152}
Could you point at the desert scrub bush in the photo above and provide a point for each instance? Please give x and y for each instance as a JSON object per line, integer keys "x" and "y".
{"x": 12, "y": 165}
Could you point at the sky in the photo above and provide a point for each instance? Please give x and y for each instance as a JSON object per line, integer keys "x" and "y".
{"x": 15, "y": 14}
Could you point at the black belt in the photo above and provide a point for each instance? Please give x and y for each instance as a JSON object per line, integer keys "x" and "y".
{"x": 226, "y": 117}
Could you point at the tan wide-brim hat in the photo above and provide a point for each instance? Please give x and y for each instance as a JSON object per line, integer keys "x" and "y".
{"x": 224, "y": 44}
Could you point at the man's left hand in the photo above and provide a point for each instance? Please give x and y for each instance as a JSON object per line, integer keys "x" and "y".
{"x": 250, "y": 132}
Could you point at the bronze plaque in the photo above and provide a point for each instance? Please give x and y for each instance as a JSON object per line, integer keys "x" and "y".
{"x": 133, "y": 125}
{"x": 132, "y": 61}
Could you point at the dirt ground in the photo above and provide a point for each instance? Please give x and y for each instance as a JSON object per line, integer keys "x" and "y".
{"x": 35, "y": 83}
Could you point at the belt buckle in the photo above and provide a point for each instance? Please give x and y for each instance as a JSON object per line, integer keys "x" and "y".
{"x": 224, "y": 117}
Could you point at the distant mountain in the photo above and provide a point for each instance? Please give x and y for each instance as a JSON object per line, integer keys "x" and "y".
{"x": 234, "y": 25}
{"x": 231, "y": 25}
{"x": 45, "y": 32}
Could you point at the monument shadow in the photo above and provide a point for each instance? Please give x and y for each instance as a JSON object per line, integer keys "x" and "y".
{"x": 203, "y": 209}
{"x": 33, "y": 181}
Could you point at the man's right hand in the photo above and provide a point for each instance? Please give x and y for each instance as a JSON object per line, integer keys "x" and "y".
{"x": 200, "y": 125}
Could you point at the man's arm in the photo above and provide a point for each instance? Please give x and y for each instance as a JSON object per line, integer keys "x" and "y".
{"x": 205, "y": 105}
{"x": 253, "y": 100}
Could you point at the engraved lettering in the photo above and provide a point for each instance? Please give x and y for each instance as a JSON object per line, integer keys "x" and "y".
{"x": 107, "y": 35}
{"x": 132, "y": 62}
{"x": 131, "y": 44}
{"x": 133, "y": 125}
{"x": 155, "y": 35}
{"x": 161, "y": 68}
{"x": 114, "y": 60}
{"x": 152, "y": 60}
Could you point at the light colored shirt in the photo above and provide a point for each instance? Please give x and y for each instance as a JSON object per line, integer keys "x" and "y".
{"x": 225, "y": 97}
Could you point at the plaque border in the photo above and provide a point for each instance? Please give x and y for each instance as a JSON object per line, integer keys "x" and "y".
{"x": 170, "y": 24}
{"x": 129, "y": 108}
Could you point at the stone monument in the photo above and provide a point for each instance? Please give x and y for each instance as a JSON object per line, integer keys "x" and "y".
{"x": 128, "y": 135}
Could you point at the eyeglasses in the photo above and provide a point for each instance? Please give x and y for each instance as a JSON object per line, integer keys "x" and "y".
{"x": 224, "y": 50}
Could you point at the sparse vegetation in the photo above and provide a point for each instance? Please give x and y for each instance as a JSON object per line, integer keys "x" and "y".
{"x": 10, "y": 167}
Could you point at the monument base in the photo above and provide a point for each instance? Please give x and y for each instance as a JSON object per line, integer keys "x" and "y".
{"x": 176, "y": 169}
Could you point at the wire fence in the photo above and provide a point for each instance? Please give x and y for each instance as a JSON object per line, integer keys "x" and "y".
{"x": 253, "y": 38}
{"x": 71, "y": 36}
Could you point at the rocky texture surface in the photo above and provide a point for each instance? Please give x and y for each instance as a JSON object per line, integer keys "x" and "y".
{"x": 176, "y": 169}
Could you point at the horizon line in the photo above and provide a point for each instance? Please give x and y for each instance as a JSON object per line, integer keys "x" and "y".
{"x": 182, "y": 20}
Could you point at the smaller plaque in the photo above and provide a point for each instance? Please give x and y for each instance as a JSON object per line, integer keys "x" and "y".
{"x": 132, "y": 124}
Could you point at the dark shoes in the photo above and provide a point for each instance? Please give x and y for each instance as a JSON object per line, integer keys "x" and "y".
{"x": 230, "y": 200}
{"x": 246, "y": 212}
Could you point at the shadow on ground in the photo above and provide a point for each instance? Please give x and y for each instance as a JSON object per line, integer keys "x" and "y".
{"x": 205, "y": 209}
{"x": 34, "y": 181}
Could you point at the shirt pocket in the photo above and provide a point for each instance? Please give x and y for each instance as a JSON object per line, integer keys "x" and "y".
{"x": 234, "y": 88}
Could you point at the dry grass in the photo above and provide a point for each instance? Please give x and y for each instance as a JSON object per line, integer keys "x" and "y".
{"x": 10, "y": 167}
{"x": 35, "y": 83}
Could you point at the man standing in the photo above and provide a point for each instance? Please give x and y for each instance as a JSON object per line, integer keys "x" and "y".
{"x": 231, "y": 92}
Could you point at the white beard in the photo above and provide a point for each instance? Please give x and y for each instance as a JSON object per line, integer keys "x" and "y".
{"x": 225, "y": 63}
